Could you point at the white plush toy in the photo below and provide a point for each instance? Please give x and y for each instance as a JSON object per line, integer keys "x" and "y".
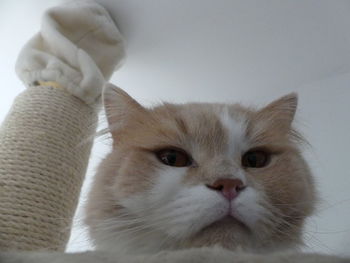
{"x": 45, "y": 141}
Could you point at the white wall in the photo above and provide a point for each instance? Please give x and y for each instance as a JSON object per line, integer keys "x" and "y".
{"x": 249, "y": 51}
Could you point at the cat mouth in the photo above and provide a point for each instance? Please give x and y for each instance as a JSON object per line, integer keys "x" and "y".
{"x": 231, "y": 219}
{"x": 232, "y": 216}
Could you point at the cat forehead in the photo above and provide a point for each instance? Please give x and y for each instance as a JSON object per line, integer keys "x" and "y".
{"x": 229, "y": 117}
{"x": 215, "y": 125}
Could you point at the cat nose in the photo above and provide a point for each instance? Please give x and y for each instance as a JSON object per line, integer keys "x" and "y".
{"x": 229, "y": 188}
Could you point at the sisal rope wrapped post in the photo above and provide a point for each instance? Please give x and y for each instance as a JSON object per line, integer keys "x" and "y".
{"x": 45, "y": 144}
{"x": 46, "y": 138}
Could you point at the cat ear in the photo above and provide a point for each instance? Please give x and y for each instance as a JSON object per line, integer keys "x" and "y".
{"x": 280, "y": 113}
{"x": 119, "y": 107}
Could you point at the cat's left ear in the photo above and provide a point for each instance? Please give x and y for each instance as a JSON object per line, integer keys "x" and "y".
{"x": 280, "y": 113}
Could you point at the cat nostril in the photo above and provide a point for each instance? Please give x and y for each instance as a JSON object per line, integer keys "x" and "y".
{"x": 228, "y": 187}
{"x": 216, "y": 187}
{"x": 240, "y": 188}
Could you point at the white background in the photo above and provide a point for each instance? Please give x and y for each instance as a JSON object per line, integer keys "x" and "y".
{"x": 250, "y": 51}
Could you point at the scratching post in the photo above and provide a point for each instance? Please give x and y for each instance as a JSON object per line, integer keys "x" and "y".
{"x": 46, "y": 138}
{"x": 44, "y": 150}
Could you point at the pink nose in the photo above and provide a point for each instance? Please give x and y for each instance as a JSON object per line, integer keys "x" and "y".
{"x": 229, "y": 188}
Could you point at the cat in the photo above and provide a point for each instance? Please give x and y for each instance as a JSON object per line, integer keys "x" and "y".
{"x": 199, "y": 174}
{"x": 198, "y": 182}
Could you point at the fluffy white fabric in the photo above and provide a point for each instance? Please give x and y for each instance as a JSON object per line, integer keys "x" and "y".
{"x": 68, "y": 47}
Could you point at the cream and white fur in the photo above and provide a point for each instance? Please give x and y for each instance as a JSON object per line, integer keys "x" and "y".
{"x": 139, "y": 205}
{"x": 140, "y": 210}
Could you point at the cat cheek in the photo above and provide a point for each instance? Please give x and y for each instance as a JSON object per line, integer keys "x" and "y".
{"x": 167, "y": 184}
{"x": 135, "y": 204}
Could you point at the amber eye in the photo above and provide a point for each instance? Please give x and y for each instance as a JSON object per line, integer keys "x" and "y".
{"x": 255, "y": 159}
{"x": 173, "y": 157}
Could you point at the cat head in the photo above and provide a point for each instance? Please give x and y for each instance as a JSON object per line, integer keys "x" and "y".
{"x": 200, "y": 174}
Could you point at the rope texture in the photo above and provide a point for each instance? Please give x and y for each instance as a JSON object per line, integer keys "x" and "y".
{"x": 45, "y": 144}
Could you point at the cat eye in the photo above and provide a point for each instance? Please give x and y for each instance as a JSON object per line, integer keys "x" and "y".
{"x": 174, "y": 157}
{"x": 255, "y": 159}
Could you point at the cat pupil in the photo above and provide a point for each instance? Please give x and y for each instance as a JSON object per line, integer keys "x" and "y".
{"x": 255, "y": 159}
{"x": 252, "y": 160}
{"x": 171, "y": 158}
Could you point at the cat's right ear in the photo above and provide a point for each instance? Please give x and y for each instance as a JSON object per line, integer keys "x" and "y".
{"x": 119, "y": 107}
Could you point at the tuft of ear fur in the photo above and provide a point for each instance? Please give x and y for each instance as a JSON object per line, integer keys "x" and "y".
{"x": 280, "y": 113}
{"x": 119, "y": 107}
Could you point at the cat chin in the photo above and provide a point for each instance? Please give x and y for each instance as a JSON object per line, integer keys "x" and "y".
{"x": 226, "y": 227}
{"x": 227, "y": 232}
{"x": 232, "y": 234}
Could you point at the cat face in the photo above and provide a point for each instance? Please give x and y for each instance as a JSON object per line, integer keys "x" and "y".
{"x": 199, "y": 175}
